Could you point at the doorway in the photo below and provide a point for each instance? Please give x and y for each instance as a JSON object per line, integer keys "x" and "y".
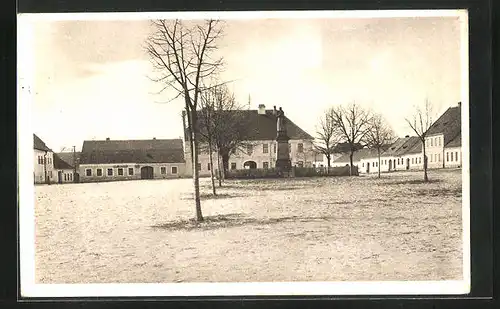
{"x": 367, "y": 167}
{"x": 407, "y": 163}
{"x": 250, "y": 165}
{"x": 390, "y": 165}
{"x": 147, "y": 172}
{"x": 59, "y": 177}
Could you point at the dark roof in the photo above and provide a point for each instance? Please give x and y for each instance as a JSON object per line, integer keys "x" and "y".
{"x": 456, "y": 142}
{"x": 449, "y": 124}
{"x": 263, "y": 127}
{"x": 402, "y": 146}
{"x": 416, "y": 148}
{"x": 39, "y": 144}
{"x": 358, "y": 155}
{"x": 61, "y": 164}
{"x": 69, "y": 157}
{"x": 132, "y": 151}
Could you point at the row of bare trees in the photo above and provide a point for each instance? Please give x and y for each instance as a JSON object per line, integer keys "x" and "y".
{"x": 348, "y": 128}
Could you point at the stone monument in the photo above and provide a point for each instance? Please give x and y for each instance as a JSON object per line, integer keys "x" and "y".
{"x": 283, "y": 163}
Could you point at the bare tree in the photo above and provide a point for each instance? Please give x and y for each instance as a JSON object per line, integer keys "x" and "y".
{"x": 420, "y": 124}
{"x": 379, "y": 136}
{"x": 326, "y": 136}
{"x": 181, "y": 52}
{"x": 352, "y": 124}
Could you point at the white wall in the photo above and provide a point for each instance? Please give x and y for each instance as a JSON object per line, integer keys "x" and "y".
{"x": 434, "y": 150}
{"x": 453, "y": 157}
{"x": 157, "y": 171}
{"x": 39, "y": 167}
{"x": 257, "y": 155}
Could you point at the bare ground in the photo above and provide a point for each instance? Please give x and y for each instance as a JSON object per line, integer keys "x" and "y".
{"x": 310, "y": 229}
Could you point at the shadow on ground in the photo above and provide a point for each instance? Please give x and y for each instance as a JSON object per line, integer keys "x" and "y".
{"x": 233, "y": 220}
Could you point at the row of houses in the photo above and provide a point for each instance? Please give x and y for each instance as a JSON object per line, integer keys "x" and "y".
{"x": 443, "y": 145}
{"x": 111, "y": 160}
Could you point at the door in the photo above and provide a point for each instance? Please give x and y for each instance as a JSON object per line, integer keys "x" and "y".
{"x": 367, "y": 167}
{"x": 59, "y": 177}
{"x": 147, "y": 172}
{"x": 408, "y": 163}
{"x": 390, "y": 165}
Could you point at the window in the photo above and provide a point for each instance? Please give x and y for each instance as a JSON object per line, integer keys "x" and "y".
{"x": 363, "y": 164}
{"x": 456, "y": 155}
{"x": 163, "y": 170}
{"x": 439, "y": 141}
{"x": 412, "y": 160}
{"x": 439, "y": 157}
{"x": 65, "y": 177}
{"x": 300, "y": 147}
{"x": 265, "y": 165}
{"x": 265, "y": 148}
{"x": 233, "y": 166}
{"x": 249, "y": 149}
{"x": 198, "y": 167}
{"x": 88, "y": 172}
{"x": 130, "y": 171}
{"x": 208, "y": 166}
{"x": 398, "y": 162}
{"x": 419, "y": 160}
{"x": 274, "y": 147}
{"x": 447, "y": 156}
{"x": 120, "y": 172}
{"x": 99, "y": 172}
{"x": 110, "y": 172}
{"x": 432, "y": 142}
{"x": 174, "y": 169}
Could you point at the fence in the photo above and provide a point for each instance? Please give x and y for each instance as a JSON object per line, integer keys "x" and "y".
{"x": 258, "y": 173}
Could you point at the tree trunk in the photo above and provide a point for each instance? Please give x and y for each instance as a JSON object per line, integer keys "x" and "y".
{"x": 219, "y": 168}
{"x": 378, "y": 152}
{"x": 211, "y": 166}
{"x": 350, "y": 163}
{"x": 426, "y": 179}
{"x": 190, "y": 132}
{"x": 196, "y": 172}
{"x": 225, "y": 164}
{"x": 328, "y": 163}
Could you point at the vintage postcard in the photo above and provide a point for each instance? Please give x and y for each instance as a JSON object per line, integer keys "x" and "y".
{"x": 244, "y": 153}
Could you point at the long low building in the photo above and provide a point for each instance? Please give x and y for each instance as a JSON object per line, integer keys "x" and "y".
{"x": 112, "y": 160}
{"x": 443, "y": 144}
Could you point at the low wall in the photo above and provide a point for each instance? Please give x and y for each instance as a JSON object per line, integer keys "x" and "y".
{"x": 259, "y": 173}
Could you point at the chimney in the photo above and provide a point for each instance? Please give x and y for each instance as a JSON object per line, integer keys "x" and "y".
{"x": 154, "y": 138}
{"x": 262, "y": 109}
{"x": 459, "y": 104}
{"x": 407, "y": 136}
{"x": 107, "y": 138}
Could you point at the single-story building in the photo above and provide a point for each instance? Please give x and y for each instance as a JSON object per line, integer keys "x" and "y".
{"x": 112, "y": 160}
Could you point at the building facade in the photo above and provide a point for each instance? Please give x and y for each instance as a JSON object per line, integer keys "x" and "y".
{"x": 443, "y": 147}
{"x": 43, "y": 159}
{"x": 65, "y": 173}
{"x": 258, "y": 150}
{"x": 113, "y": 160}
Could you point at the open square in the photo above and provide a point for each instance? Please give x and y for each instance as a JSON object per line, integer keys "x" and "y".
{"x": 300, "y": 229}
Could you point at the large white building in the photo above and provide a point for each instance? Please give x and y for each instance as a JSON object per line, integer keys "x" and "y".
{"x": 259, "y": 150}
{"x": 112, "y": 160}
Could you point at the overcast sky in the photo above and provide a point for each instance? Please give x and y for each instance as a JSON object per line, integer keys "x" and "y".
{"x": 90, "y": 77}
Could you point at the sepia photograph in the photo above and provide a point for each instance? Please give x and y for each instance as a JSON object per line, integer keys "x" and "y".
{"x": 244, "y": 153}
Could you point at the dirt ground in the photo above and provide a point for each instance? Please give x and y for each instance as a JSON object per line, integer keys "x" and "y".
{"x": 310, "y": 229}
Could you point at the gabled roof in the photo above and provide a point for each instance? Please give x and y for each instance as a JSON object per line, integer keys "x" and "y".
{"x": 60, "y": 164}
{"x": 416, "y": 148}
{"x": 402, "y": 146}
{"x": 69, "y": 157}
{"x": 132, "y": 151}
{"x": 449, "y": 124}
{"x": 361, "y": 154}
{"x": 456, "y": 142}
{"x": 39, "y": 144}
{"x": 263, "y": 127}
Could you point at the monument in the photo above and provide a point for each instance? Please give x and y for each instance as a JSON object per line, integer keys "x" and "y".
{"x": 283, "y": 163}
